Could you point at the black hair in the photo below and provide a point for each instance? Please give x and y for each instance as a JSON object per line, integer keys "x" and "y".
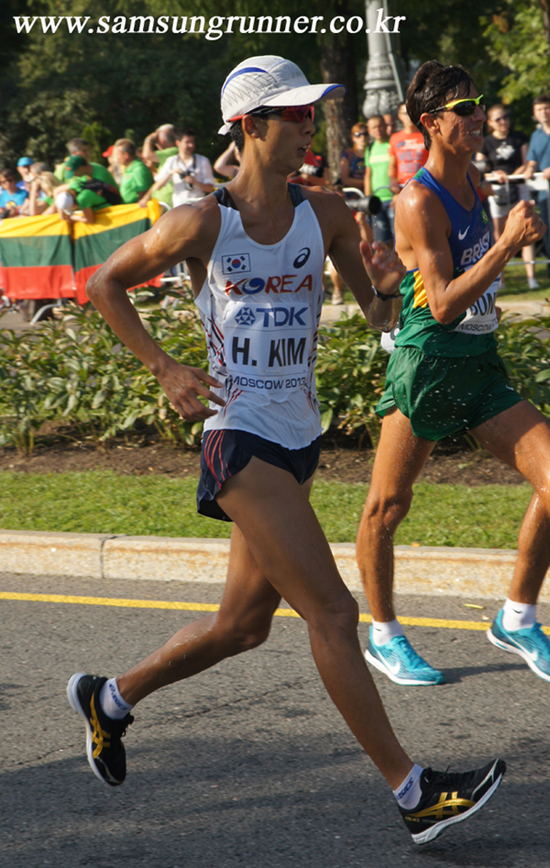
{"x": 184, "y": 131}
{"x": 432, "y": 86}
{"x": 237, "y": 135}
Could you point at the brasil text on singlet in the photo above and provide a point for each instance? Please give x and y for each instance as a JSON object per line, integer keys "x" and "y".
{"x": 471, "y": 333}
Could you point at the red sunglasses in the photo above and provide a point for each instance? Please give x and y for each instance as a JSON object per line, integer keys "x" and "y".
{"x": 297, "y": 114}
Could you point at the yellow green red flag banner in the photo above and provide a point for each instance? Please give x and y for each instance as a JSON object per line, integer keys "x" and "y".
{"x": 47, "y": 257}
{"x": 112, "y": 227}
{"x": 37, "y": 257}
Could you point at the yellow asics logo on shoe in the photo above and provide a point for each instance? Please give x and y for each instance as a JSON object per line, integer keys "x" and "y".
{"x": 445, "y": 807}
{"x": 99, "y": 737}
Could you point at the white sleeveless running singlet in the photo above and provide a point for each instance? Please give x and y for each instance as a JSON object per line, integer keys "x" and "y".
{"x": 260, "y": 307}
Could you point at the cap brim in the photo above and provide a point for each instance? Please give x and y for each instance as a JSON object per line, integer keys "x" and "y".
{"x": 305, "y": 95}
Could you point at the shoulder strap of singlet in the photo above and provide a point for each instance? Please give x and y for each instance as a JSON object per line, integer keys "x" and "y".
{"x": 224, "y": 197}
{"x": 297, "y": 195}
{"x": 425, "y": 177}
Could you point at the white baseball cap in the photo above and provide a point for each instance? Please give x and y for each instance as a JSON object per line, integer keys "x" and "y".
{"x": 65, "y": 202}
{"x": 268, "y": 81}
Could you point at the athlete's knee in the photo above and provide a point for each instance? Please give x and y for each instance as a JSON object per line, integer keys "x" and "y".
{"x": 340, "y": 614}
{"x": 385, "y": 510}
{"x": 244, "y": 633}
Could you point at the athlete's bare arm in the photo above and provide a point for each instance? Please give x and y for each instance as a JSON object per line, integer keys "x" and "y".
{"x": 185, "y": 233}
{"x": 423, "y": 244}
{"x": 359, "y": 265}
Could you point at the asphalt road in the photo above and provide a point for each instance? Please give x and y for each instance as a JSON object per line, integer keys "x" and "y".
{"x": 249, "y": 764}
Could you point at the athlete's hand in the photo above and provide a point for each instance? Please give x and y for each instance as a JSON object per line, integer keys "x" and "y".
{"x": 383, "y": 266}
{"x": 523, "y": 226}
{"x": 182, "y": 386}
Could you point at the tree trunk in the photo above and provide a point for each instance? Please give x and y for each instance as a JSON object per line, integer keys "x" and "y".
{"x": 545, "y": 20}
{"x": 337, "y": 65}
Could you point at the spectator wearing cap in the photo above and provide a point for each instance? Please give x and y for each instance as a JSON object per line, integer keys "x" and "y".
{"x": 76, "y": 198}
{"x": 11, "y": 199}
{"x": 24, "y": 168}
{"x": 191, "y": 173}
{"x": 137, "y": 178}
{"x": 78, "y": 166}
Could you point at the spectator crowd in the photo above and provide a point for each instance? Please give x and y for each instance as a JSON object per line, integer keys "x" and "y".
{"x": 385, "y": 152}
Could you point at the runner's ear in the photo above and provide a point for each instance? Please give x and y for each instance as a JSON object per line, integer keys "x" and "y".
{"x": 254, "y": 126}
{"x": 430, "y": 122}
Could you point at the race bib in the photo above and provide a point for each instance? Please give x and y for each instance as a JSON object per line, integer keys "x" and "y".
{"x": 481, "y": 317}
{"x": 267, "y": 345}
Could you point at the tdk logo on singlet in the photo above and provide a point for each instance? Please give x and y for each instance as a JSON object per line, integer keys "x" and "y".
{"x": 235, "y": 263}
{"x": 272, "y": 316}
{"x": 245, "y": 317}
{"x": 472, "y": 254}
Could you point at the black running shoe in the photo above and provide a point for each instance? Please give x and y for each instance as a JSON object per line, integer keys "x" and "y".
{"x": 104, "y": 747}
{"x": 450, "y": 798}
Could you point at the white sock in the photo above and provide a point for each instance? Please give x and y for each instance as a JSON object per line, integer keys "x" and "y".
{"x": 408, "y": 793}
{"x": 383, "y": 631}
{"x": 518, "y": 616}
{"x": 111, "y": 701}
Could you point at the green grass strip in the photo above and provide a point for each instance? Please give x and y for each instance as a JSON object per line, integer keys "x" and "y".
{"x": 103, "y": 502}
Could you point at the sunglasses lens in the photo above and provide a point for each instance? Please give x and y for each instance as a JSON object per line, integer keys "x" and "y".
{"x": 463, "y": 109}
{"x": 298, "y": 114}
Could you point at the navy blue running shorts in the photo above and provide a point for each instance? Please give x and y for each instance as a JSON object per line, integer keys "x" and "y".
{"x": 224, "y": 453}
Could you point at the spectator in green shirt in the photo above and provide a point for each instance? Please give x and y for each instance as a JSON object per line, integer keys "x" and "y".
{"x": 79, "y": 166}
{"x": 78, "y": 198}
{"x": 157, "y": 147}
{"x": 377, "y": 181}
{"x": 137, "y": 178}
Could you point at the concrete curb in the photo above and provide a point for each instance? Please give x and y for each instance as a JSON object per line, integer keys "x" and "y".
{"x": 418, "y": 570}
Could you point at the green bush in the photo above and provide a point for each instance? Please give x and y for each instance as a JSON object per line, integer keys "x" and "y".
{"x": 351, "y": 370}
{"x": 524, "y": 346}
{"x": 76, "y": 371}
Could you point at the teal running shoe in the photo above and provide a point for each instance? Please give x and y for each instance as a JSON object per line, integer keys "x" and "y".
{"x": 399, "y": 661}
{"x": 529, "y": 643}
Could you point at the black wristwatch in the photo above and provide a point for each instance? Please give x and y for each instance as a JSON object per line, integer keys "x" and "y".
{"x": 383, "y": 297}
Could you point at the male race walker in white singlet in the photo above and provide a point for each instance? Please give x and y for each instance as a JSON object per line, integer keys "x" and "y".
{"x": 255, "y": 255}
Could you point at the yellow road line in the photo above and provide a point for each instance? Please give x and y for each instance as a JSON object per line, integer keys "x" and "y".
{"x": 439, "y": 623}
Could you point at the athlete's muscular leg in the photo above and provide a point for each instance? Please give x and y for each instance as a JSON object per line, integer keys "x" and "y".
{"x": 399, "y": 460}
{"x": 520, "y": 436}
{"x": 287, "y": 543}
{"x": 243, "y": 622}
